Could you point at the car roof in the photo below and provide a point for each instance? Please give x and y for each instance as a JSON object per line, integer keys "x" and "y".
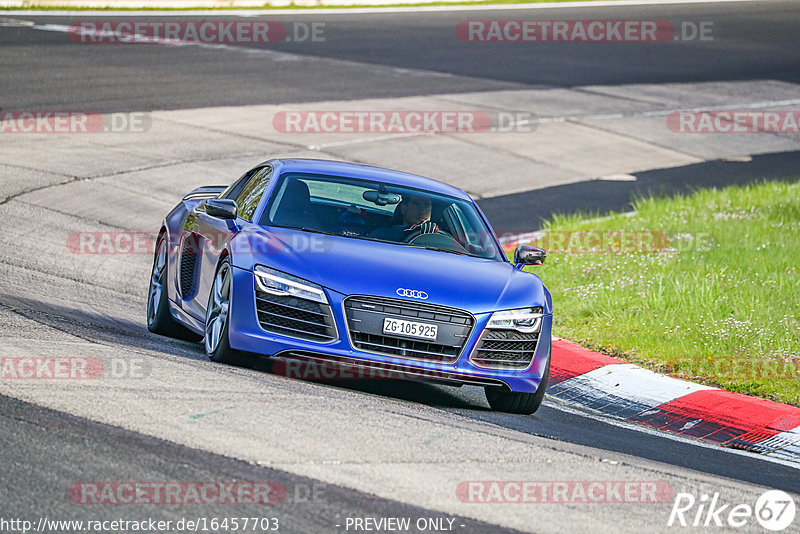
{"x": 368, "y": 172}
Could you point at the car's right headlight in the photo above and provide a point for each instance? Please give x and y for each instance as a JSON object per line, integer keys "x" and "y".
{"x": 278, "y": 283}
{"x": 525, "y": 320}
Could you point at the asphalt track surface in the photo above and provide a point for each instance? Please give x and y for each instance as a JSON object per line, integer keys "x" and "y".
{"x": 45, "y": 451}
{"x": 752, "y": 40}
{"x": 59, "y": 449}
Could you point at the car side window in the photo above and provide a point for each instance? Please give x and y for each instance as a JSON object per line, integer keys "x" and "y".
{"x": 233, "y": 190}
{"x": 251, "y": 194}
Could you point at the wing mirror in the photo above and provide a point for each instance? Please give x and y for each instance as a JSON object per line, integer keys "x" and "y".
{"x": 528, "y": 255}
{"x": 222, "y": 208}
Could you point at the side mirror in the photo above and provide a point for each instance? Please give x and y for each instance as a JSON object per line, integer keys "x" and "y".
{"x": 222, "y": 208}
{"x": 529, "y": 255}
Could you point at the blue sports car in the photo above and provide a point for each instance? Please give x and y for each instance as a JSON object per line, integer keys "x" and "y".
{"x": 358, "y": 267}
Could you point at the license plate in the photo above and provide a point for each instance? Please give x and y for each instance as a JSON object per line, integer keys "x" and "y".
{"x": 399, "y": 327}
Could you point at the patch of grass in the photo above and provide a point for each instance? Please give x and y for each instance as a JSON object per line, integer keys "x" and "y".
{"x": 714, "y": 297}
{"x": 270, "y": 6}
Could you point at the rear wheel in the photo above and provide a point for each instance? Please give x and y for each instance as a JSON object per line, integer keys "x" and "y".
{"x": 159, "y": 319}
{"x": 512, "y": 402}
{"x": 217, "y": 345}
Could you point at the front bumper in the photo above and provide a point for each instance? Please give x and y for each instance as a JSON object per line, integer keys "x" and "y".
{"x": 246, "y": 334}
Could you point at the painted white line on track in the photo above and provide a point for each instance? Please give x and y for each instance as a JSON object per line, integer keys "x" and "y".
{"x": 367, "y": 10}
{"x": 750, "y": 105}
{"x": 624, "y": 390}
{"x": 639, "y": 384}
{"x": 362, "y": 140}
{"x": 663, "y": 112}
{"x": 617, "y": 178}
{"x": 783, "y": 445}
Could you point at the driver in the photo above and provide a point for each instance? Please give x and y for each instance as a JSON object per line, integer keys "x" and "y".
{"x": 416, "y": 212}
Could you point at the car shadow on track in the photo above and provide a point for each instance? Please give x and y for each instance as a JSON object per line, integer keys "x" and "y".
{"x": 94, "y": 326}
{"x": 97, "y": 327}
{"x": 428, "y": 393}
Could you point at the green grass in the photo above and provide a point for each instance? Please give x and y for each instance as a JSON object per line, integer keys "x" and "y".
{"x": 269, "y": 6}
{"x": 719, "y": 304}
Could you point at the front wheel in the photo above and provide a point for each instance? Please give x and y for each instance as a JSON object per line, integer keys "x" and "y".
{"x": 512, "y": 402}
{"x": 217, "y": 346}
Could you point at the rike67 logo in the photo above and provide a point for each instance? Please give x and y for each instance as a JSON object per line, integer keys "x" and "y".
{"x": 774, "y": 510}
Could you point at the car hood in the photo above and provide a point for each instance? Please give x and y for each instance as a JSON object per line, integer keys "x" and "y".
{"x": 361, "y": 267}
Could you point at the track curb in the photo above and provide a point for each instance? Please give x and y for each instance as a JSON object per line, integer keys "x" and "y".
{"x": 613, "y": 387}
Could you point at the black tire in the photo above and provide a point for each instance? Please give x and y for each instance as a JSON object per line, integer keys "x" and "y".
{"x": 159, "y": 319}
{"x": 522, "y": 403}
{"x": 220, "y": 350}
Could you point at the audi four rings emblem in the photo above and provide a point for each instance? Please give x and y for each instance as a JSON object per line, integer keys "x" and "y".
{"x": 412, "y": 293}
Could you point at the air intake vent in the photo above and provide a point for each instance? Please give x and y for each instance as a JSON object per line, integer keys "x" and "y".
{"x": 295, "y": 317}
{"x": 190, "y": 259}
{"x": 505, "y": 349}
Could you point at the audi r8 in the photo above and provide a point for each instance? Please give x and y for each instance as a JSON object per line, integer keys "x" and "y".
{"x": 357, "y": 266}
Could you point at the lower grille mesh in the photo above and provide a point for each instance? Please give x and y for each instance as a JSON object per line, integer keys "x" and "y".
{"x": 506, "y": 349}
{"x": 292, "y": 316}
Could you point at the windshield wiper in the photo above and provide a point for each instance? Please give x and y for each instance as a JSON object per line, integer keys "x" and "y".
{"x": 451, "y": 251}
{"x": 304, "y": 229}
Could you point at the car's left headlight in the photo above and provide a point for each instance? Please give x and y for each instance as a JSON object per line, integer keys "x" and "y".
{"x": 283, "y": 284}
{"x": 525, "y": 320}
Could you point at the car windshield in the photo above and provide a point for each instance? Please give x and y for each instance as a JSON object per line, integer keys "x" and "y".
{"x": 362, "y": 209}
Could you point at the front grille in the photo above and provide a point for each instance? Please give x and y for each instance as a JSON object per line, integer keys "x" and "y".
{"x": 365, "y": 317}
{"x": 295, "y": 317}
{"x": 505, "y": 349}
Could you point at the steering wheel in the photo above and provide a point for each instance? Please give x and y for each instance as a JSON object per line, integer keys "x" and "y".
{"x": 440, "y": 239}
{"x": 418, "y": 232}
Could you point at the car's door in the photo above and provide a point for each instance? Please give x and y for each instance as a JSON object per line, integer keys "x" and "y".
{"x": 208, "y": 235}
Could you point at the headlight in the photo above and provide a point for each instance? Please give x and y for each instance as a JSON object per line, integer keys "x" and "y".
{"x": 525, "y": 320}
{"x": 278, "y": 283}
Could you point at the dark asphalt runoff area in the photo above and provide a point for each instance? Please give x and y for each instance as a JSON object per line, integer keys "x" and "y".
{"x": 597, "y": 197}
{"x": 46, "y": 70}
